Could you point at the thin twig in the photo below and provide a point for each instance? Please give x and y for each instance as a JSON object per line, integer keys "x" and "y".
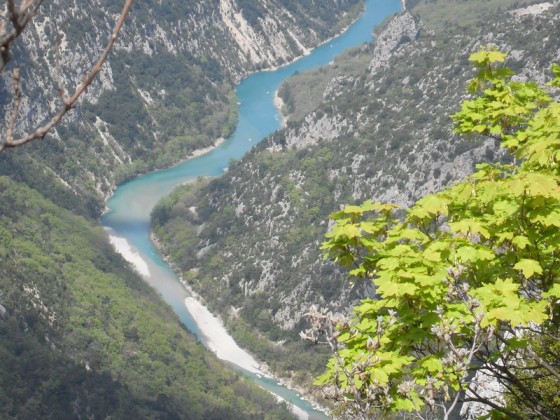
{"x": 17, "y": 103}
{"x": 478, "y": 398}
{"x": 543, "y": 363}
{"x": 19, "y": 19}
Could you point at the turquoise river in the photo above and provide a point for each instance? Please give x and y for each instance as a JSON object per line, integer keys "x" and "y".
{"x": 128, "y": 216}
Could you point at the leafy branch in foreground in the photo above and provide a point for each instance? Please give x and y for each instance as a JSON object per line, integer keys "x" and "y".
{"x": 467, "y": 281}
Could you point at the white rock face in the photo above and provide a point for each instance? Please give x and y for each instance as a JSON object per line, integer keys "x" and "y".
{"x": 35, "y": 298}
{"x": 260, "y": 47}
{"x": 403, "y": 28}
{"x": 337, "y": 86}
{"x": 487, "y": 387}
{"x": 535, "y": 9}
{"x": 317, "y": 129}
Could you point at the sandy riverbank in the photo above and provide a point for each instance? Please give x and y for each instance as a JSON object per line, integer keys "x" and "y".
{"x": 122, "y": 246}
{"x": 204, "y": 150}
{"x": 217, "y": 339}
{"x": 215, "y": 336}
{"x": 279, "y": 103}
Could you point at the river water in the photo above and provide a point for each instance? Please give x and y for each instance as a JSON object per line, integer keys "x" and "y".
{"x": 128, "y": 217}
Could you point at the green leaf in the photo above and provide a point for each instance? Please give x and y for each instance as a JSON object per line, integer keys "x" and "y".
{"x": 354, "y": 210}
{"x": 433, "y": 204}
{"x": 528, "y": 267}
{"x": 553, "y": 292}
{"x": 521, "y": 242}
{"x": 506, "y": 287}
{"x": 556, "y": 81}
{"x": 534, "y": 312}
{"x": 485, "y": 57}
{"x": 498, "y": 314}
{"x": 389, "y": 290}
{"x": 403, "y": 404}
{"x": 470, "y": 226}
{"x": 432, "y": 364}
{"x": 349, "y": 231}
{"x": 388, "y": 263}
{"x": 540, "y": 184}
{"x": 517, "y": 343}
{"x": 380, "y": 376}
{"x": 467, "y": 254}
{"x": 432, "y": 255}
{"x": 358, "y": 382}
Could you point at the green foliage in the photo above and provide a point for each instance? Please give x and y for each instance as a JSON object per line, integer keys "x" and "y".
{"x": 464, "y": 268}
{"x": 302, "y": 93}
{"x": 192, "y": 109}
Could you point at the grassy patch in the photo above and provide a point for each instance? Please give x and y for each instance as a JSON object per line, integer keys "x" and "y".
{"x": 440, "y": 14}
{"x": 303, "y": 92}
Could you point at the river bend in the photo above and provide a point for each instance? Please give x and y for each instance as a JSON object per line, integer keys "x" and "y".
{"x": 128, "y": 217}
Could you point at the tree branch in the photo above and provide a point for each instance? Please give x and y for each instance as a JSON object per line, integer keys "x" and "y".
{"x": 543, "y": 363}
{"x": 70, "y": 102}
{"x": 492, "y": 404}
{"x": 17, "y": 102}
{"x": 19, "y": 20}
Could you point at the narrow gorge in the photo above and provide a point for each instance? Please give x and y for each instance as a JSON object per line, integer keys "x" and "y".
{"x": 132, "y": 203}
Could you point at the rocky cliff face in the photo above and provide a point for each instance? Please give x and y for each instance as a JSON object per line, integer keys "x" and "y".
{"x": 383, "y": 135}
{"x": 400, "y": 30}
{"x": 165, "y": 90}
{"x": 403, "y": 104}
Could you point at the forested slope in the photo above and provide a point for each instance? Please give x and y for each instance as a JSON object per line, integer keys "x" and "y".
{"x": 380, "y": 132}
{"x": 82, "y": 336}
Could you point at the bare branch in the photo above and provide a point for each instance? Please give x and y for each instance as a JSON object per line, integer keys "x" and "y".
{"x": 19, "y": 20}
{"x": 543, "y": 363}
{"x": 492, "y": 404}
{"x": 70, "y": 102}
{"x": 17, "y": 102}
{"x": 475, "y": 346}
